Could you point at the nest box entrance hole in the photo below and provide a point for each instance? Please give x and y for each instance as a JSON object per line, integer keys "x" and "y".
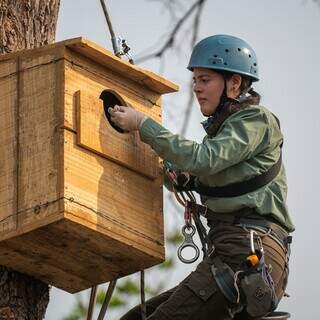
{"x": 110, "y": 99}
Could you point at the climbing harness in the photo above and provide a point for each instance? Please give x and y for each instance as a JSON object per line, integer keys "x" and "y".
{"x": 251, "y": 287}
{"x": 238, "y": 188}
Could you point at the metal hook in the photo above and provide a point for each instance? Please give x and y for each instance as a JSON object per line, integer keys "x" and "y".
{"x": 188, "y": 242}
{"x": 259, "y": 242}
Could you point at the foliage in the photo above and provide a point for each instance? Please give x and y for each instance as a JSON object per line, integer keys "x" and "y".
{"x": 128, "y": 288}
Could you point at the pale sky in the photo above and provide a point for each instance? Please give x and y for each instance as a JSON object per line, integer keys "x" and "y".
{"x": 285, "y": 35}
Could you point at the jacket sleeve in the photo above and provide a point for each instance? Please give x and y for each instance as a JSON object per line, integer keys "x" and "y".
{"x": 241, "y": 136}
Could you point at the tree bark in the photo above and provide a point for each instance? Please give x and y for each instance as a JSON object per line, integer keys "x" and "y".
{"x": 25, "y": 24}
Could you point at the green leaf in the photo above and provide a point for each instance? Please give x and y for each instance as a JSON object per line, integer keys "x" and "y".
{"x": 169, "y": 263}
{"x": 129, "y": 287}
{"x": 100, "y": 296}
{"x": 78, "y": 312}
{"x": 117, "y": 302}
{"x": 175, "y": 237}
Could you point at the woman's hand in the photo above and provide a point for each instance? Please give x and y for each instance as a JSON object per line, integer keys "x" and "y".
{"x": 126, "y": 118}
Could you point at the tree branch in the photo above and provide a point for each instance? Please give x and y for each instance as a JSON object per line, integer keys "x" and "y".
{"x": 171, "y": 39}
{"x": 191, "y": 95}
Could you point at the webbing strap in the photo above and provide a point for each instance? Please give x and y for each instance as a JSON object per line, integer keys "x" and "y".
{"x": 240, "y": 188}
{"x": 224, "y": 277}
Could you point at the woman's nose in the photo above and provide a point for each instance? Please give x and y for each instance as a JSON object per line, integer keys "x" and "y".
{"x": 196, "y": 87}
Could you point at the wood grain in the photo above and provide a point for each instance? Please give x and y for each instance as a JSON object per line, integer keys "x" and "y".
{"x": 8, "y": 144}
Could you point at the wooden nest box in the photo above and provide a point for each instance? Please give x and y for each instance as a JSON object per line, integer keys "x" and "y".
{"x": 80, "y": 201}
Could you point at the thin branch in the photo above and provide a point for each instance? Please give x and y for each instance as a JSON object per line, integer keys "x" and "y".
{"x": 173, "y": 6}
{"x": 187, "y": 115}
{"x": 171, "y": 39}
{"x": 191, "y": 95}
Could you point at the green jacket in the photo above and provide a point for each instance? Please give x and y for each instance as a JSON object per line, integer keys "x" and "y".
{"x": 247, "y": 144}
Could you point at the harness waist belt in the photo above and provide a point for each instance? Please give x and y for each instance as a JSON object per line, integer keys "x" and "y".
{"x": 246, "y": 216}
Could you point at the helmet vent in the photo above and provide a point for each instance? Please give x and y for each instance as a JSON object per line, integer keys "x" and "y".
{"x": 249, "y": 55}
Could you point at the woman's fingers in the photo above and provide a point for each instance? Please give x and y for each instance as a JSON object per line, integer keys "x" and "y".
{"x": 127, "y": 118}
{"x": 115, "y": 109}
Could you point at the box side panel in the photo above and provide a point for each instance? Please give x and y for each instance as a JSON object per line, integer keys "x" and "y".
{"x": 72, "y": 257}
{"x": 112, "y": 199}
{"x": 96, "y": 133}
{"x": 40, "y": 140}
{"x": 8, "y": 145}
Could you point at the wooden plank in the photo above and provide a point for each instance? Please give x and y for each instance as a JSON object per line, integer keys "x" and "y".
{"x": 121, "y": 66}
{"x": 40, "y": 219}
{"x": 106, "y": 58}
{"x": 123, "y": 82}
{"x": 8, "y": 144}
{"x": 8, "y": 68}
{"x": 114, "y": 258}
{"x": 71, "y": 257}
{"x": 96, "y": 133}
{"x": 39, "y": 137}
{"x": 24, "y": 254}
{"x": 114, "y": 198}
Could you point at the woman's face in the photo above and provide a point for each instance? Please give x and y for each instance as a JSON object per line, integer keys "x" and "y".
{"x": 208, "y": 87}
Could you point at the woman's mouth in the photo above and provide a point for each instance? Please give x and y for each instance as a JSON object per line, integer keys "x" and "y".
{"x": 202, "y": 100}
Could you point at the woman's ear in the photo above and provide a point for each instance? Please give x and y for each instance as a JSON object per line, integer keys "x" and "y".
{"x": 233, "y": 86}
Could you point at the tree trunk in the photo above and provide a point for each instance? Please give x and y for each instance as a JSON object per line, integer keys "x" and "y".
{"x": 25, "y": 24}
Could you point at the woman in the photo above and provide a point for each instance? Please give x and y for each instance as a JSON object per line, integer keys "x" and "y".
{"x": 238, "y": 172}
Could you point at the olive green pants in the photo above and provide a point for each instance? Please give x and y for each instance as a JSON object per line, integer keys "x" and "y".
{"x": 198, "y": 297}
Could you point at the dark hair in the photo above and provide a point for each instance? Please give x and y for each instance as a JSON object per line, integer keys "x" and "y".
{"x": 245, "y": 84}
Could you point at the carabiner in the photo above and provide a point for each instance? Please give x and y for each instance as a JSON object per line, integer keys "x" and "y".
{"x": 259, "y": 242}
{"x": 188, "y": 242}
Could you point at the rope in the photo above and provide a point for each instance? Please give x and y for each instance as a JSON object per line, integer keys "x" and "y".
{"x": 92, "y": 302}
{"x": 106, "y": 14}
{"x": 107, "y": 299}
{"x": 181, "y": 198}
{"x": 119, "y": 45}
{"x": 143, "y": 300}
{"x": 113, "y": 36}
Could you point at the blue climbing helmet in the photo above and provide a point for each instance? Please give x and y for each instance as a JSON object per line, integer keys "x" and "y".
{"x": 225, "y": 53}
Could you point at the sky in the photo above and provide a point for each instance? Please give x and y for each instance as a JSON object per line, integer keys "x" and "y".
{"x": 285, "y": 35}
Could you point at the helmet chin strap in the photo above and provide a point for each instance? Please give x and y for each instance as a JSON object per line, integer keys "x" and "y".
{"x": 223, "y": 99}
{"x": 245, "y": 94}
